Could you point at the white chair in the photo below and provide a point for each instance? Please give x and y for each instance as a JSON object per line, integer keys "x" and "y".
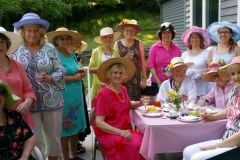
{"x": 37, "y": 153}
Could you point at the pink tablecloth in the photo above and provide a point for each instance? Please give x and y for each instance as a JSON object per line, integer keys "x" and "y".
{"x": 165, "y": 135}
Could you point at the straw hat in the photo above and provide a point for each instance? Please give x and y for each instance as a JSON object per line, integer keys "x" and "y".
{"x": 195, "y": 29}
{"x": 212, "y": 30}
{"x": 166, "y": 26}
{"x": 76, "y": 37}
{"x": 128, "y": 64}
{"x": 15, "y": 39}
{"x": 127, "y": 22}
{"x": 31, "y": 18}
{"x": 106, "y": 31}
{"x": 175, "y": 62}
{"x": 223, "y": 72}
{"x": 11, "y": 99}
{"x": 213, "y": 68}
{"x": 83, "y": 47}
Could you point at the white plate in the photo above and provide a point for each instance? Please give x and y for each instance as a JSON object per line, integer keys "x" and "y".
{"x": 212, "y": 110}
{"x": 152, "y": 114}
{"x": 189, "y": 119}
{"x": 165, "y": 110}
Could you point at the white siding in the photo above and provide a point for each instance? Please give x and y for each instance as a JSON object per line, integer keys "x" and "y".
{"x": 229, "y": 10}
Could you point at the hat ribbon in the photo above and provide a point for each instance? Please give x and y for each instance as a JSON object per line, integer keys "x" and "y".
{"x": 178, "y": 63}
{"x": 170, "y": 27}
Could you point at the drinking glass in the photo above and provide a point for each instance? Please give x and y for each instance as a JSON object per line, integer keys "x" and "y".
{"x": 146, "y": 101}
{"x": 202, "y": 109}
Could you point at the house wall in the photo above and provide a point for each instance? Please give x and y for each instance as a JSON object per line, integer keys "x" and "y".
{"x": 187, "y": 14}
{"x": 229, "y": 10}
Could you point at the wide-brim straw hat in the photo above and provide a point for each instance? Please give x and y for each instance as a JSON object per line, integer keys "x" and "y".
{"x": 83, "y": 47}
{"x": 11, "y": 99}
{"x": 212, "y": 30}
{"x": 15, "y": 39}
{"x": 213, "y": 68}
{"x": 223, "y": 71}
{"x": 195, "y": 29}
{"x": 175, "y": 62}
{"x": 127, "y": 22}
{"x": 106, "y": 31}
{"x": 31, "y": 18}
{"x": 128, "y": 64}
{"x": 166, "y": 26}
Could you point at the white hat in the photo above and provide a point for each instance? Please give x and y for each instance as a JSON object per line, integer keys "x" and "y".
{"x": 106, "y": 31}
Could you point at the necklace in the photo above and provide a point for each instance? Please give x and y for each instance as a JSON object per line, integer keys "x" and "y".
{"x": 108, "y": 56}
{"x": 196, "y": 53}
{"x": 117, "y": 93}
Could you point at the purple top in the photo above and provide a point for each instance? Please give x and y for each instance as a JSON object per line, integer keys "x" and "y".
{"x": 218, "y": 96}
{"x": 159, "y": 56}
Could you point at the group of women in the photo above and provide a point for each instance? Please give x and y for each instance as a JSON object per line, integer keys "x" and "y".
{"x": 46, "y": 79}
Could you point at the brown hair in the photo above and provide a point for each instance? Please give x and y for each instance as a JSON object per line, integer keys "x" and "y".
{"x": 231, "y": 43}
{"x": 42, "y": 32}
{"x": 5, "y": 38}
{"x": 201, "y": 40}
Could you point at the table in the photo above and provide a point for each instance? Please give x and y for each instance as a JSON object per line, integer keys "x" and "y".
{"x": 166, "y": 135}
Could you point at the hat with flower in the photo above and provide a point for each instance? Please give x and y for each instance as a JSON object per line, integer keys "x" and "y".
{"x": 212, "y": 30}
{"x": 223, "y": 71}
{"x": 195, "y": 29}
{"x": 128, "y": 22}
{"x": 31, "y": 18}
{"x": 175, "y": 62}
{"x": 213, "y": 69}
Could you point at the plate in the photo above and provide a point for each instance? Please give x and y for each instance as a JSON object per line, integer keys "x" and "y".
{"x": 165, "y": 110}
{"x": 153, "y": 108}
{"x": 152, "y": 114}
{"x": 189, "y": 119}
{"x": 212, "y": 110}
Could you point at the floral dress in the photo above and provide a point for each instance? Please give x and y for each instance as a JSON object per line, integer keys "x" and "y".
{"x": 12, "y": 136}
{"x": 117, "y": 115}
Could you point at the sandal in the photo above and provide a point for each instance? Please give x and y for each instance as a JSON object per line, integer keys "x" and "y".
{"x": 80, "y": 148}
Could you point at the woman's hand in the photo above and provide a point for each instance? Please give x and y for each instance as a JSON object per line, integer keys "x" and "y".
{"x": 23, "y": 108}
{"x": 144, "y": 83}
{"x": 129, "y": 56}
{"x": 207, "y": 117}
{"x": 45, "y": 78}
{"x": 78, "y": 76}
{"x": 212, "y": 147}
{"x": 126, "y": 134}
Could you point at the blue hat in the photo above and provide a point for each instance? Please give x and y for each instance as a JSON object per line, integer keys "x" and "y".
{"x": 213, "y": 30}
{"x": 31, "y": 18}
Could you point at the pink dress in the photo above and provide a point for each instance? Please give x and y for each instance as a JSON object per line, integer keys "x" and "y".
{"x": 117, "y": 115}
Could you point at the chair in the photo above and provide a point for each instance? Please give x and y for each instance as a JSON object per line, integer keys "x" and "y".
{"x": 96, "y": 145}
{"x": 37, "y": 153}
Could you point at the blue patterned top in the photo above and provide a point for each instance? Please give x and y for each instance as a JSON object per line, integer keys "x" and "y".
{"x": 49, "y": 95}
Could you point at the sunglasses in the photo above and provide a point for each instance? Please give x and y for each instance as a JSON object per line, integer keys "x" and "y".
{"x": 214, "y": 77}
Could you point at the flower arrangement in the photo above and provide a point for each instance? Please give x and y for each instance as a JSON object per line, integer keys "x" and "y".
{"x": 176, "y": 97}
{"x": 167, "y": 68}
{"x": 128, "y": 21}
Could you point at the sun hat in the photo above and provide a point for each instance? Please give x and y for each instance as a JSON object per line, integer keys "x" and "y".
{"x": 83, "y": 47}
{"x": 76, "y": 37}
{"x": 195, "y": 29}
{"x": 11, "y": 99}
{"x": 213, "y": 68}
{"x": 31, "y": 18}
{"x": 175, "y": 62}
{"x": 15, "y": 39}
{"x": 128, "y": 64}
{"x": 106, "y": 31}
{"x": 128, "y": 22}
{"x": 166, "y": 26}
{"x": 223, "y": 72}
{"x": 212, "y": 30}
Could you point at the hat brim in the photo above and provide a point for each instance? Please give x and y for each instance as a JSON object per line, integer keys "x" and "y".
{"x": 207, "y": 77}
{"x": 206, "y": 38}
{"x": 15, "y": 39}
{"x": 45, "y": 24}
{"x": 223, "y": 73}
{"x": 11, "y": 99}
{"x": 120, "y": 28}
{"x": 82, "y": 48}
{"x": 76, "y": 37}
{"x": 189, "y": 64}
{"x": 116, "y": 35}
{"x": 212, "y": 30}
{"x": 128, "y": 64}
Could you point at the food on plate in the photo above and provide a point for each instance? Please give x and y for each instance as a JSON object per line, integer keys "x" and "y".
{"x": 153, "y": 108}
{"x": 194, "y": 113}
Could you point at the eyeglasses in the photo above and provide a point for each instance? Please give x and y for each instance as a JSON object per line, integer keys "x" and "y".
{"x": 2, "y": 92}
{"x": 225, "y": 33}
{"x": 63, "y": 39}
{"x": 214, "y": 77}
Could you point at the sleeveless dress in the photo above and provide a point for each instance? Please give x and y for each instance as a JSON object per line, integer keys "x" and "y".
{"x": 226, "y": 57}
{"x": 73, "y": 118}
{"x": 133, "y": 85}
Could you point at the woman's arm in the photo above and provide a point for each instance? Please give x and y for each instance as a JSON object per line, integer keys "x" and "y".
{"x": 213, "y": 117}
{"x": 143, "y": 65}
{"x": 136, "y": 104}
{"x": 154, "y": 74}
{"x": 93, "y": 70}
{"x": 76, "y": 77}
{"x": 237, "y": 51}
{"x": 210, "y": 56}
{"x": 115, "y": 46}
{"x": 28, "y": 146}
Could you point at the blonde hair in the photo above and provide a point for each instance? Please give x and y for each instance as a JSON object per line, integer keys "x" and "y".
{"x": 115, "y": 67}
{"x": 41, "y": 30}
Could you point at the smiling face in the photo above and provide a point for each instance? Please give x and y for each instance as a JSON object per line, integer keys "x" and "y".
{"x": 166, "y": 36}
{"x": 3, "y": 97}
{"x": 195, "y": 40}
{"x": 234, "y": 71}
{"x": 116, "y": 73}
{"x": 32, "y": 34}
{"x": 129, "y": 31}
{"x": 63, "y": 41}
{"x": 224, "y": 34}
{"x": 179, "y": 73}
{"x": 107, "y": 40}
{"x": 219, "y": 81}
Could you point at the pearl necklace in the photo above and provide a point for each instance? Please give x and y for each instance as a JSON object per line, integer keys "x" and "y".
{"x": 117, "y": 93}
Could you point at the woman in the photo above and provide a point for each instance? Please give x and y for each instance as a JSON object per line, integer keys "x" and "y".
{"x": 177, "y": 69}
{"x": 101, "y": 54}
{"x": 134, "y": 50}
{"x": 227, "y": 35}
{"x": 161, "y": 53}
{"x": 13, "y": 74}
{"x": 231, "y": 137}
{"x": 112, "y": 123}
{"x": 45, "y": 71}
{"x": 219, "y": 93}
{"x": 17, "y": 139}
{"x": 196, "y": 40}
{"x": 73, "y": 111}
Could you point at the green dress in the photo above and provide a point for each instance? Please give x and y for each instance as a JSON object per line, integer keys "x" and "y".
{"x": 73, "y": 118}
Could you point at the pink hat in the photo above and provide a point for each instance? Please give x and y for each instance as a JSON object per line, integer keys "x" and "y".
{"x": 195, "y": 29}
